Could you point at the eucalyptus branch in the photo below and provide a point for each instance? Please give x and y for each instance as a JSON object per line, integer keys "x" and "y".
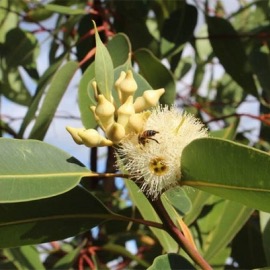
{"x": 177, "y": 235}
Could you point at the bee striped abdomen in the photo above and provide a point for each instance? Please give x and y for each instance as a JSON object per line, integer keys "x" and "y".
{"x": 147, "y": 135}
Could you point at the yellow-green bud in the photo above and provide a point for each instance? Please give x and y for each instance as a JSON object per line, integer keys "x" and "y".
{"x": 137, "y": 122}
{"x": 149, "y": 99}
{"x": 127, "y": 86}
{"x": 115, "y": 132}
{"x": 104, "y": 111}
{"x": 74, "y": 134}
{"x": 125, "y": 111}
{"x": 94, "y": 85}
{"x": 92, "y": 138}
{"x": 93, "y": 109}
{"x": 117, "y": 84}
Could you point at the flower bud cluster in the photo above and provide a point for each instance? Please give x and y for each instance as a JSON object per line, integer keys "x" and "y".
{"x": 117, "y": 122}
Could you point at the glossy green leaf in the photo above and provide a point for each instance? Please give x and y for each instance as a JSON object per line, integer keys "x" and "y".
{"x": 229, "y": 170}
{"x": 229, "y": 49}
{"x": 119, "y": 48}
{"x": 32, "y": 170}
{"x": 53, "y": 97}
{"x": 183, "y": 67}
{"x": 157, "y": 75}
{"x": 221, "y": 258}
{"x": 41, "y": 86}
{"x": 198, "y": 199}
{"x": 148, "y": 213}
{"x": 131, "y": 21}
{"x": 8, "y": 20}
{"x": 64, "y": 9}
{"x": 261, "y": 66}
{"x": 178, "y": 198}
{"x": 229, "y": 219}
{"x": 50, "y": 219}
{"x": 24, "y": 258}
{"x": 38, "y": 14}
{"x": 104, "y": 75}
{"x": 21, "y": 48}
{"x": 67, "y": 261}
{"x": 170, "y": 262}
{"x": 86, "y": 97}
{"x": 13, "y": 87}
{"x": 178, "y": 28}
{"x": 203, "y": 46}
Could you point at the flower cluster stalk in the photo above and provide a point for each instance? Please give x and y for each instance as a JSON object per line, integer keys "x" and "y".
{"x": 177, "y": 235}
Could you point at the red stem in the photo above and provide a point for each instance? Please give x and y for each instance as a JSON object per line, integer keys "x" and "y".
{"x": 177, "y": 235}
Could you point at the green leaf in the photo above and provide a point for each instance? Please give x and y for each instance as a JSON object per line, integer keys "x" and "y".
{"x": 42, "y": 83}
{"x": 24, "y": 258}
{"x": 38, "y": 14}
{"x": 21, "y": 48}
{"x": 64, "y": 9}
{"x": 53, "y": 97}
{"x": 261, "y": 66}
{"x": 229, "y": 218}
{"x": 33, "y": 170}
{"x": 198, "y": 199}
{"x": 178, "y": 28}
{"x": 13, "y": 87}
{"x": 8, "y": 19}
{"x": 50, "y": 219}
{"x": 178, "y": 198}
{"x": 87, "y": 97}
{"x": 170, "y": 261}
{"x": 229, "y": 49}
{"x": 119, "y": 48}
{"x": 149, "y": 213}
{"x": 67, "y": 261}
{"x": 229, "y": 170}
{"x": 104, "y": 75}
{"x": 183, "y": 67}
{"x": 131, "y": 19}
{"x": 157, "y": 75}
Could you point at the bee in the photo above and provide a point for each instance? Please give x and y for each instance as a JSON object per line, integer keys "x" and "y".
{"x": 147, "y": 135}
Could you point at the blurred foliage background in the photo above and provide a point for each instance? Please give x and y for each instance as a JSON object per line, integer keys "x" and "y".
{"x": 212, "y": 60}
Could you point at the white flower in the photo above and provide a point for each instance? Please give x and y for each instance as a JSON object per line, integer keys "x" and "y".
{"x": 153, "y": 158}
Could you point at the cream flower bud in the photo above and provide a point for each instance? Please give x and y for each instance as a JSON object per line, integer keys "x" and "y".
{"x": 125, "y": 111}
{"x": 127, "y": 86}
{"x": 93, "y": 109}
{"x": 117, "y": 84}
{"x": 94, "y": 85}
{"x": 115, "y": 132}
{"x": 74, "y": 134}
{"x": 104, "y": 111}
{"x": 137, "y": 121}
{"x": 92, "y": 138}
{"x": 149, "y": 99}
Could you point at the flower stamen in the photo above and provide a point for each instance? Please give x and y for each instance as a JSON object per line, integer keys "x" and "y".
{"x": 158, "y": 166}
